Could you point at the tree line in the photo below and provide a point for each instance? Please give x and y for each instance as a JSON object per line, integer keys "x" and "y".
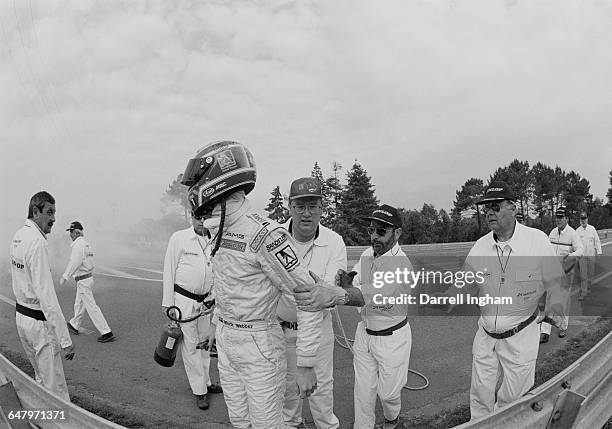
{"x": 540, "y": 190}
{"x": 350, "y": 196}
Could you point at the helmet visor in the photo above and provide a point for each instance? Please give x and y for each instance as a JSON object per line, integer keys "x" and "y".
{"x": 196, "y": 168}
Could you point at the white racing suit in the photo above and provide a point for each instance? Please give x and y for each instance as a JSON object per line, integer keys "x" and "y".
{"x": 325, "y": 256}
{"x": 520, "y": 270}
{"x": 42, "y": 340}
{"x": 255, "y": 263}
{"x": 187, "y": 266}
{"x": 564, "y": 243}
{"x": 592, "y": 246}
{"x": 81, "y": 265}
{"x": 381, "y": 362}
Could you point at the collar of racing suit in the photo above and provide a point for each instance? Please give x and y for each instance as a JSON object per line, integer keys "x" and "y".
{"x": 236, "y": 205}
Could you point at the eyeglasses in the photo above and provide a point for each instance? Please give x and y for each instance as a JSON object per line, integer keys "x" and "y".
{"x": 583, "y": 217}
{"x": 312, "y": 208}
{"x": 381, "y": 232}
{"x": 496, "y": 207}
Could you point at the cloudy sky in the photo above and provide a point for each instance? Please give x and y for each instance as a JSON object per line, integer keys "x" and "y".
{"x": 103, "y": 103}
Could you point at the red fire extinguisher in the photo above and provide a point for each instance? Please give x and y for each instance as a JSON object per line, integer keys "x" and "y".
{"x": 165, "y": 352}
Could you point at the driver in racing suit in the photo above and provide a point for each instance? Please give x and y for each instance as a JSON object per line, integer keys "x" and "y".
{"x": 255, "y": 260}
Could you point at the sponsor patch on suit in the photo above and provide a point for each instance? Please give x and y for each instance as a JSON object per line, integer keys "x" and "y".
{"x": 233, "y": 244}
{"x": 287, "y": 257}
{"x": 280, "y": 240}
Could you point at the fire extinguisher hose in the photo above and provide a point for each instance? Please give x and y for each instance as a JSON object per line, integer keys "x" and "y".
{"x": 179, "y": 319}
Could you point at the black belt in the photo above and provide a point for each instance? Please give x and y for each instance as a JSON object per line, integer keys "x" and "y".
{"x": 515, "y": 330}
{"x": 388, "y": 331}
{"x": 83, "y": 277}
{"x": 30, "y": 312}
{"x": 190, "y": 295}
{"x": 289, "y": 325}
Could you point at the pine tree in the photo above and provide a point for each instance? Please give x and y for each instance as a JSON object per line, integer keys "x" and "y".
{"x": 318, "y": 174}
{"x": 609, "y": 193}
{"x": 334, "y": 196}
{"x": 358, "y": 201}
{"x": 276, "y": 209}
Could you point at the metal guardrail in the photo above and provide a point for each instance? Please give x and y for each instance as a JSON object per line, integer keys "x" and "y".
{"x": 33, "y": 395}
{"x": 578, "y": 397}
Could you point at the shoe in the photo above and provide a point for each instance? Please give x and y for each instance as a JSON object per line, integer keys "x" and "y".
{"x": 562, "y": 333}
{"x": 202, "y": 401}
{"x": 391, "y": 424}
{"x": 105, "y": 338}
{"x": 543, "y": 338}
{"x": 72, "y": 329}
{"x": 215, "y": 388}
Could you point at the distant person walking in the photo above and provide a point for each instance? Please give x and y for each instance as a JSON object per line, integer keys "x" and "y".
{"x": 568, "y": 247}
{"x": 592, "y": 247}
{"x": 81, "y": 266}
{"x": 40, "y": 323}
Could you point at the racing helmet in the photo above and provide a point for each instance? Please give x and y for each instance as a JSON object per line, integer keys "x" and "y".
{"x": 218, "y": 169}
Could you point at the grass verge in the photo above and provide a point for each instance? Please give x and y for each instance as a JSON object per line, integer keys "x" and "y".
{"x": 122, "y": 414}
{"x": 128, "y": 416}
{"x": 554, "y": 363}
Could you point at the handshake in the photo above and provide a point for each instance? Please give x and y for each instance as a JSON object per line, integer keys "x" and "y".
{"x": 323, "y": 295}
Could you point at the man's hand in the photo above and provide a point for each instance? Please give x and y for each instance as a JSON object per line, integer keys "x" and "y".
{"x": 62, "y": 281}
{"x": 344, "y": 279}
{"x": 552, "y": 319}
{"x": 207, "y": 307}
{"x": 306, "y": 380}
{"x": 68, "y": 352}
{"x": 209, "y": 339}
{"x": 318, "y": 296}
{"x": 568, "y": 263}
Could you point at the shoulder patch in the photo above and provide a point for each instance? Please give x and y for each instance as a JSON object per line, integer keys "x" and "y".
{"x": 260, "y": 236}
{"x": 260, "y": 219}
{"x": 286, "y": 256}
{"x": 262, "y": 232}
{"x": 280, "y": 240}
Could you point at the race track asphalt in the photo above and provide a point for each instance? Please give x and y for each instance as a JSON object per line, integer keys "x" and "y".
{"x": 124, "y": 372}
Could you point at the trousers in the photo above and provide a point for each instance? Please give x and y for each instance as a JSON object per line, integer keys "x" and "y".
{"x": 252, "y": 368}
{"x": 381, "y": 367}
{"x": 85, "y": 301}
{"x": 515, "y": 357}
{"x": 322, "y": 400}
{"x": 44, "y": 352}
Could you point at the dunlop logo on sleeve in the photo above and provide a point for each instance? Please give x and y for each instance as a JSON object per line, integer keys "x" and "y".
{"x": 280, "y": 240}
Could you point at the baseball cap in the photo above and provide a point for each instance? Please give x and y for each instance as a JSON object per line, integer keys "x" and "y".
{"x": 497, "y": 191}
{"x": 305, "y": 187}
{"x": 386, "y": 214}
{"x": 560, "y": 211}
{"x": 75, "y": 225}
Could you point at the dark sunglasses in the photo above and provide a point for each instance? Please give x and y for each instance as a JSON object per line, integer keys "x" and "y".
{"x": 491, "y": 206}
{"x": 559, "y": 216}
{"x": 583, "y": 217}
{"x": 381, "y": 232}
